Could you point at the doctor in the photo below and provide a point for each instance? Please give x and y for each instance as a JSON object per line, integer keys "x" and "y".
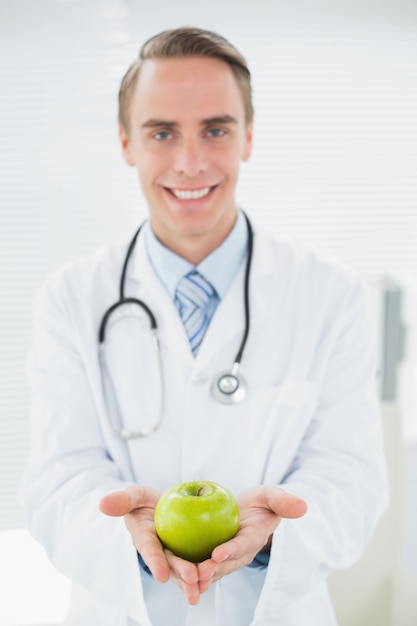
{"x": 299, "y": 445}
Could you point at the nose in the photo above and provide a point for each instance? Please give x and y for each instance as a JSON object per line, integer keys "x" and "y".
{"x": 190, "y": 158}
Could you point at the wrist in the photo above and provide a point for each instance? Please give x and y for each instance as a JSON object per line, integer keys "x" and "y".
{"x": 266, "y": 549}
{"x": 143, "y": 565}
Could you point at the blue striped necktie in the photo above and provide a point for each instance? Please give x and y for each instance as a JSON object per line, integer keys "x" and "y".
{"x": 193, "y": 297}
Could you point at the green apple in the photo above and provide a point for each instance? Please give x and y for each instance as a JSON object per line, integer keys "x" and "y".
{"x": 192, "y": 518}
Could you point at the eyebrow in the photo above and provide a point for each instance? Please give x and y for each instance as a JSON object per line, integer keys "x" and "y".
{"x": 218, "y": 119}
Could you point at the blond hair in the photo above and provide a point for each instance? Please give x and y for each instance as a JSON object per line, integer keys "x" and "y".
{"x": 186, "y": 42}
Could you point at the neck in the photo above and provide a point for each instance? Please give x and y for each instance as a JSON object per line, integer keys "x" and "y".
{"x": 193, "y": 250}
{"x": 197, "y": 246}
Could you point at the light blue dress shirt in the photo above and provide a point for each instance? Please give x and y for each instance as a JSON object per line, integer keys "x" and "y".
{"x": 171, "y": 268}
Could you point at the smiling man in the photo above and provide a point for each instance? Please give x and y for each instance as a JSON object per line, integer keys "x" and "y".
{"x": 263, "y": 379}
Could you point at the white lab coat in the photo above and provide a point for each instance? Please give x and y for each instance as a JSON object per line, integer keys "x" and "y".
{"x": 310, "y": 423}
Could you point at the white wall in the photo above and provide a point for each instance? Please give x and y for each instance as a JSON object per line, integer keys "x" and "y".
{"x": 335, "y": 146}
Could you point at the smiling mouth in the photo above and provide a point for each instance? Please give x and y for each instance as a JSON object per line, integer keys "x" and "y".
{"x": 190, "y": 194}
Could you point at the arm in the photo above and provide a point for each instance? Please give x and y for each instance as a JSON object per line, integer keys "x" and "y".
{"x": 338, "y": 469}
{"x": 70, "y": 468}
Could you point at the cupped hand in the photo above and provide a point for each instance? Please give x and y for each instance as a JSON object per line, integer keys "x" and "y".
{"x": 137, "y": 506}
{"x": 261, "y": 510}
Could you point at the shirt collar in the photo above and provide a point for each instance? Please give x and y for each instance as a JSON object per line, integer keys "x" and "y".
{"x": 170, "y": 267}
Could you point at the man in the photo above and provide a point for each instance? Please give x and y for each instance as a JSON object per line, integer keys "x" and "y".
{"x": 307, "y": 431}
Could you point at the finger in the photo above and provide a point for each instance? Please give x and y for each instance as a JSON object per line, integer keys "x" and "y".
{"x": 207, "y": 571}
{"x": 243, "y": 547}
{"x": 146, "y": 542}
{"x": 115, "y": 504}
{"x": 191, "y": 592}
{"x": 158, "y": 565}
{"x": 154, "y": 556}
{"x": 185, "y": 570}
{"x": 121, "y": 503}
{"x": 211, "y": 571}
{"x": 274, "y": 499}
{"x": 204, "y": 585}
{"x": 225, "y": 560}
{"x": 185, "y": 575}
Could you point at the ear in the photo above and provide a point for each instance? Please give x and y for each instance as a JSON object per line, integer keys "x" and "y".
{"x": 126, "y": 148}
{"x": 247, "y": 150}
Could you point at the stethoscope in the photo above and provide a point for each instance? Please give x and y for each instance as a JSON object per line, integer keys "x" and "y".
{"x": 228, "y": 387}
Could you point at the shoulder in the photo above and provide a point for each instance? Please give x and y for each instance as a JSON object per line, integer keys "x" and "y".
{"x": 85, "y": 275}
{"x": 303, "y": 264}
{"x": 305, "y": 278}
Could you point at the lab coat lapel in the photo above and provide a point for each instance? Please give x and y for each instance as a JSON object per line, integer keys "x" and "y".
{"x": 227, "y": 322}
{"x": 145, "y": 285}
{"x": 229, "y": 319}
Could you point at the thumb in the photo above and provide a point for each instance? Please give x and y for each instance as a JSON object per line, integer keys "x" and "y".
{"x": 284, "y": 504}
{"x": 121, "y": 503}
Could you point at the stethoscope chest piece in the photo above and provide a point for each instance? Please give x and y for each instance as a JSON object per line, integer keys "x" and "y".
{"x": 228, "y": 387}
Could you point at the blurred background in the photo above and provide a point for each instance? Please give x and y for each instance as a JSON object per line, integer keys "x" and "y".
{"x": 334, "y": 167}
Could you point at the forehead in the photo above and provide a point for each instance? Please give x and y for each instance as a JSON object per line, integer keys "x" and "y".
{"x": 192, "y": 87}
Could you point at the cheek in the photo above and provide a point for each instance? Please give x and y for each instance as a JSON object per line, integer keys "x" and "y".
{"x": 230, "y": 164}
{"x": 227, "y": 161}
{"x": 149, "y": 169}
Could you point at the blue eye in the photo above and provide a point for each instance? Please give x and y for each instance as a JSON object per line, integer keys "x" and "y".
{"x": 216, "y": 132}
{"x": 162, "y": 135}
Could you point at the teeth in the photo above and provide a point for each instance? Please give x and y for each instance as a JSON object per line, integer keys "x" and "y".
{"x": 188, "y": 194}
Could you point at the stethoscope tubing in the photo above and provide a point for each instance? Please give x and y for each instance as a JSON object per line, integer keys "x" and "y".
{"x": 248, "y": 267}
{"x": 229, "y": 387}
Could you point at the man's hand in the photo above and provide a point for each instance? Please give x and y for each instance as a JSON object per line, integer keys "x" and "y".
{"x": 137, "y": 506}
{"x": 261, "y": 510}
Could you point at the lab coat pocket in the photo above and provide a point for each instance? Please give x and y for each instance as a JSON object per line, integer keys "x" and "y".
{"x": 280, "y": 431}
